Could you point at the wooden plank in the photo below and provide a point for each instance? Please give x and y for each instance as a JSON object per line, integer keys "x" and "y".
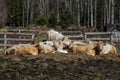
{"x": 95, "y": 33}
{"x": 78, "y": 36}
{"x": 17, "y": 39}
{"x": 98, "y": 38}
{"x": 26, "y": 31}
{"x": 116, "y": 39}
{"x": 10, "y": 33}
{"x": 70, "y": 31}
{"x": 8, "y": 45}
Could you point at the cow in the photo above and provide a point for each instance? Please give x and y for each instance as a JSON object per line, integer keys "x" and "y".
{"x": 54, "y": 35}
{"x": 106, "y": 48}
{"x": 81, "y": 48}
{"x": 46, "y": 48}
{"x": 59, "y": 46}
{"x": 23, "y": 49}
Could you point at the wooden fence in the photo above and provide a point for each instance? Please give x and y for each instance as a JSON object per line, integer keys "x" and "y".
{"x": 9, "y": 38}
{"x": 101, "y": 36}
{"x": 30, "y": 36}
{"x": 74, "y": 35}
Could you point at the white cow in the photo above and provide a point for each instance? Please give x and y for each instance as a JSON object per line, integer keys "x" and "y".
{"x": 59, "y": 46}
{"x": 54, "y": 35}
{"x": 46, "y": 48}
{"x": 107, "y": 48}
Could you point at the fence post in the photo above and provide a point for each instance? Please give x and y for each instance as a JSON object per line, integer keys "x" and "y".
{"x": 111, "y": 38}
{"x": 19, "y": 35}
{"x": 33, "y": 38}
{"x": 5, "y": 40}
{"x": 85, "y": 37}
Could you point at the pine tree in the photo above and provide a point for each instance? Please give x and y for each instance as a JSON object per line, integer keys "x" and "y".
{"x": 66, "y": 18}
{"x": 52, "y": 21}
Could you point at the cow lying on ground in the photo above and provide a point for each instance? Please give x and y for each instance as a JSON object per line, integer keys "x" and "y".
{"x": 106, "y": 48}
{"x": 59, "y": 46}
{"x": 52, "y": 46}
{"x": 80, "y": 48}
{"x": 23, "y": 49}
{"x": 46, "y": 47}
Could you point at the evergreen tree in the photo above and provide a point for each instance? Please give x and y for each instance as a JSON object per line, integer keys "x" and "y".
{"x": 41, "y": 20}
{"x": 15, "y": 10}
{"x": 66, "y": 18}
{"x": 52, "y": 21}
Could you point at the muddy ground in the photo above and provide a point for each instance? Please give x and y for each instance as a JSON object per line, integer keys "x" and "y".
{"x": 59, "y": 67}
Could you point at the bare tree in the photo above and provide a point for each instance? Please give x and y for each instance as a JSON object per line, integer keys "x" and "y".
{"x": 78, "y": 12}
{"x": 3, "y": 12}
{"x": 119, "y": 11}
{"x": 58, "y": 13}
{"x": 95, "y": 12}
{"x": 91, "y": 12}
{"x": 28, "y": 10}
{"x": 85, "y": 11}
{"x": 112, "y": 11}
{"x": 88, "y": 16}
{"x": 23, "y": 13}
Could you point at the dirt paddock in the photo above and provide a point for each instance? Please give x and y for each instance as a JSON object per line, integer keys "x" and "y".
{"x": 59, "y": 67}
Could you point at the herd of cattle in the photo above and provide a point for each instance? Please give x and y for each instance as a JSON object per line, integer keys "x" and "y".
{"x": 57, "y": 42}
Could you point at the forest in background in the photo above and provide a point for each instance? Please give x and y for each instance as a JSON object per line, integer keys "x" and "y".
{"x": 65, "y": 13}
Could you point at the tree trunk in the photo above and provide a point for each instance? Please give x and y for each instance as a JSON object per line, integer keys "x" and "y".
{"x": 3, "y": 12}
{"x": 28, "y": 10}
{"x": 105, "y": 12}
{"x": 23, "y": 14}
{"x": 119, "y": 12}
{"x": 88, "y": 16}
{"x": 78, "y": 14}
{"x": 109, "y": 11}
{"x": 91, "y": 11}
{"x": 112, "y": 12}
{"x": 85, "y": 12}
{"x": 58, "y": 14}
{"x": 95, "y": 13}
{"x": 31, "y": 12}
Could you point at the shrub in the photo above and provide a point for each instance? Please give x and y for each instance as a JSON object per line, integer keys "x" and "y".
{"x": 41, "y": 20}
{"x": 66, "y": 17}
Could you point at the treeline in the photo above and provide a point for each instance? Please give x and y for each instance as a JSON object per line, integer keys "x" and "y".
{"x": 90, "y": 13}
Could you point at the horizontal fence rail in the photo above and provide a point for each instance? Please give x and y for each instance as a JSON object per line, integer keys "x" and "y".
{"x": 73, "y": 35}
